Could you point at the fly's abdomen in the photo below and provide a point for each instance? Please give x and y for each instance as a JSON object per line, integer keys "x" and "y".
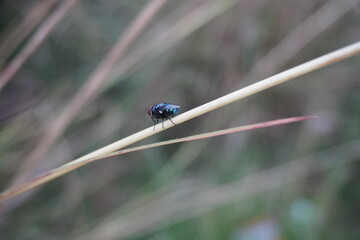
{"x": 171, "y": 112}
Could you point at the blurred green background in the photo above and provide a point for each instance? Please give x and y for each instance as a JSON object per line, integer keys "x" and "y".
{"x": 297, "y": 181}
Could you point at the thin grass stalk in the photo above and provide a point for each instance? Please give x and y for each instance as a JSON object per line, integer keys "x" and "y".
{"x": 52, "y": 174}
{"x": 208, "y": 135}
{"x": 277, "y": 79}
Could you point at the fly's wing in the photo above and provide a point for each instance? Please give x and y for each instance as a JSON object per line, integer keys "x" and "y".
{"x": 168, "y": 106}
{"x": 169, "y": 110}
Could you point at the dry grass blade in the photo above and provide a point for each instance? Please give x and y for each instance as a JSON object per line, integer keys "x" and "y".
{"x": 277, "y": 79}
{"x": 43, "y": 178}
{"x": 210, "y": 134}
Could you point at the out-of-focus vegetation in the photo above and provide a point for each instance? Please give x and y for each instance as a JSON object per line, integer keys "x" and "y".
{"x": 299, "y": 181}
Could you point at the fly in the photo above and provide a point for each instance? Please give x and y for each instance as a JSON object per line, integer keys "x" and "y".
{"x": 163, "y": 111}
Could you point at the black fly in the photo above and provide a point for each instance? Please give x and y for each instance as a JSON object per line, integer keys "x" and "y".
{"x": 163, "y": 111}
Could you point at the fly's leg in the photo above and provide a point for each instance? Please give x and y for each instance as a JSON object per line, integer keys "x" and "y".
{"x": 172, "y": 121}
{"x": 162, "y": 122}
{"x": 154, "y": 122}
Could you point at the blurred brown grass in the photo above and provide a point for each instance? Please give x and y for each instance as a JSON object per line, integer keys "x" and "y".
{"x": 228, "y": 45}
